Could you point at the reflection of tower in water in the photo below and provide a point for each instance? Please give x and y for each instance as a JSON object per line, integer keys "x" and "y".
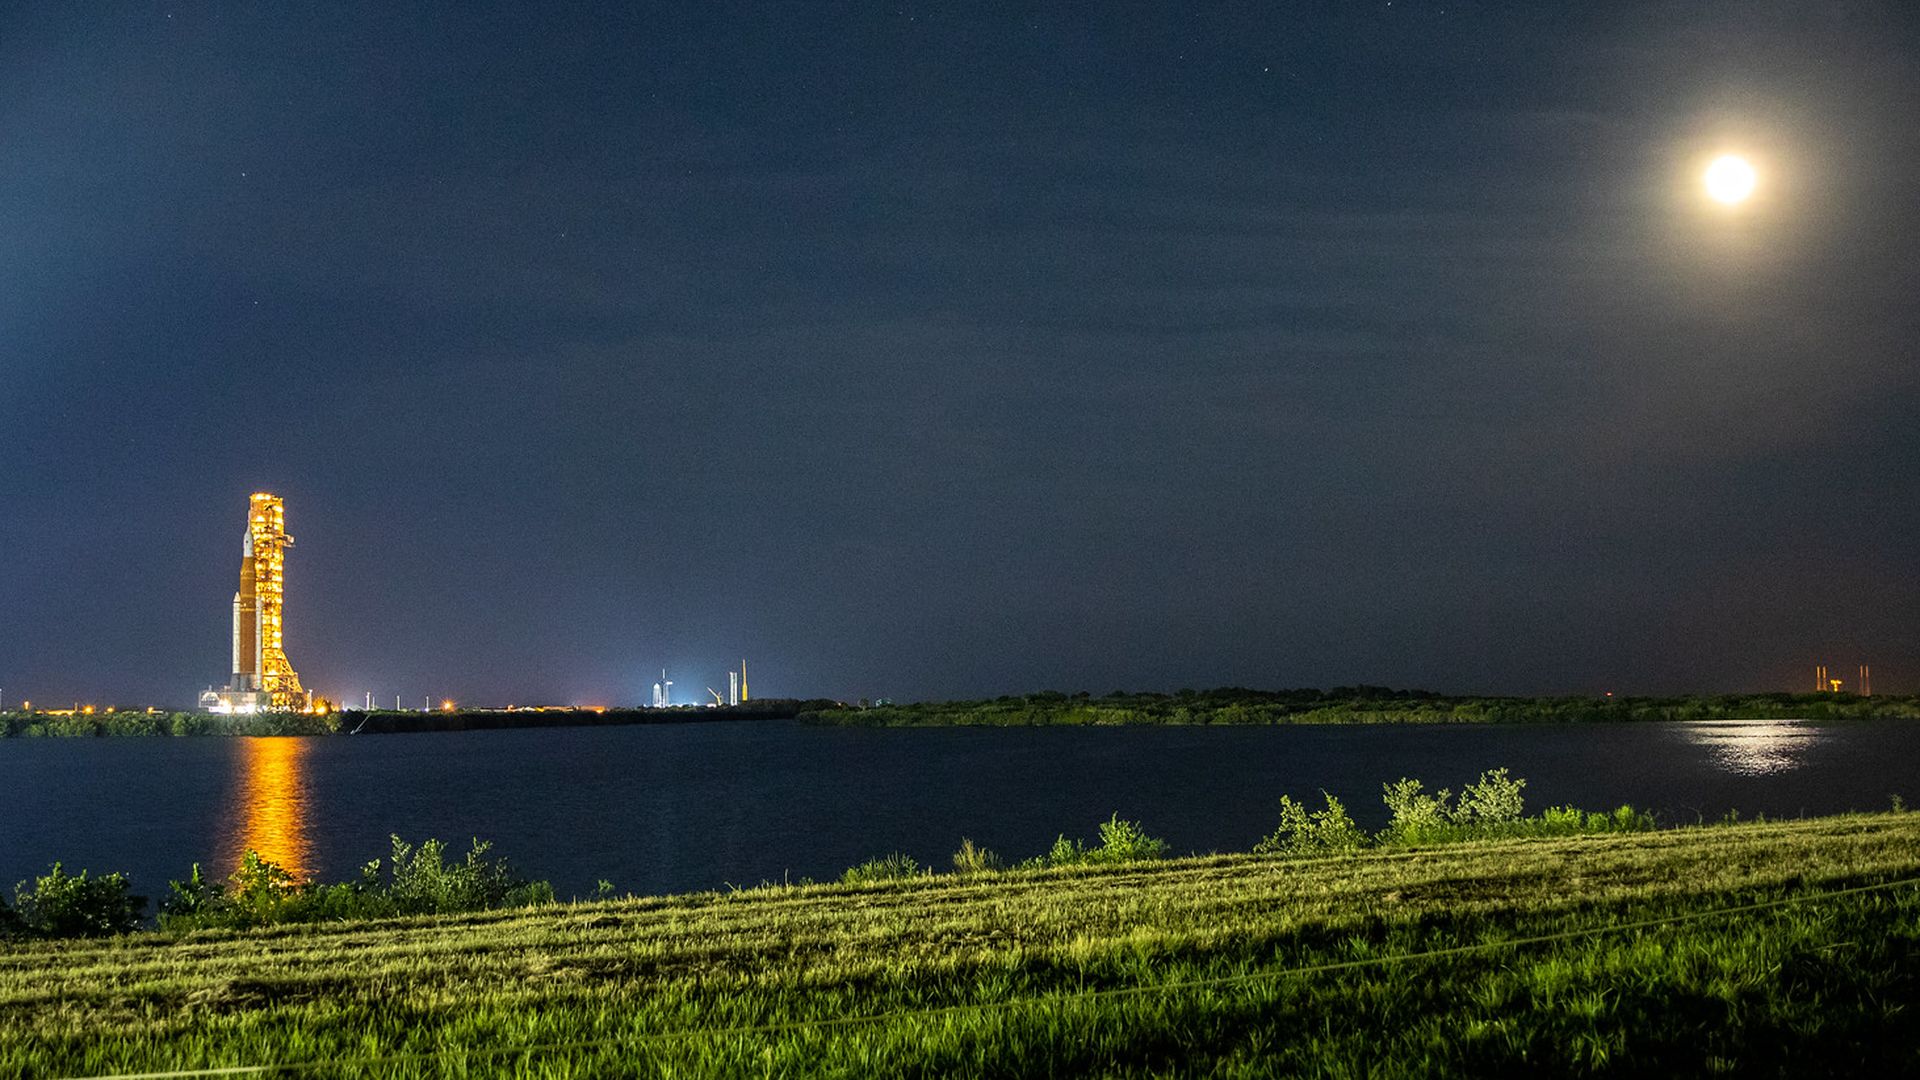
{"x": 271, "y": 812}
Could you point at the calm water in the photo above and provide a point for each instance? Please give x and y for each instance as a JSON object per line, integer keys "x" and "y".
{"x": 698, "y": 806}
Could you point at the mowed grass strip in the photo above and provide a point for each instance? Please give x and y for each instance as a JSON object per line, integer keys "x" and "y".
{"x": 1024, "y": 972}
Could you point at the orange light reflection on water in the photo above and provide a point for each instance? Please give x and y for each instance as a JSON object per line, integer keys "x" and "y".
{"x": 271, "y": 807}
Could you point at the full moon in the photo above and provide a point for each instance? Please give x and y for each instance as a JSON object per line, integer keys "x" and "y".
{"x": 1730, "y": 179}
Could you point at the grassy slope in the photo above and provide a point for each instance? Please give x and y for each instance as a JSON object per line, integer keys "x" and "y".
{"x": 1783, "y": 989}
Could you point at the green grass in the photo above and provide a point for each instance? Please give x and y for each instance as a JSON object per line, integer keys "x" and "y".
{"x": 1100, "y": 969}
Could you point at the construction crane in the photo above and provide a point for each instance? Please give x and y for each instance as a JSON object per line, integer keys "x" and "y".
{"x": 717, "y": 699}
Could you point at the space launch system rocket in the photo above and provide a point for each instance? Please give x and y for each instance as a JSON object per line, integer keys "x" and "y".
{"x": 263, "y": 677}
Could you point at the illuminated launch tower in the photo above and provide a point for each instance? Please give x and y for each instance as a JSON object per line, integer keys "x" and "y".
{"x": 263, "y": 677}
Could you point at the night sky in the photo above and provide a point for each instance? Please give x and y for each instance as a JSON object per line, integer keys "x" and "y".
{"x": 916, "y": 353}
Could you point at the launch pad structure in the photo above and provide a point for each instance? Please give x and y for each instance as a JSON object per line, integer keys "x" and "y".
{"x": 263, "y": 678}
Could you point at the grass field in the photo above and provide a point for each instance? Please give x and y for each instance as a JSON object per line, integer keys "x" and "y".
{"x": 1227, "y": 965}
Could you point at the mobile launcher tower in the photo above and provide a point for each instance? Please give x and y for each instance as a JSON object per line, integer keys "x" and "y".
{"x": 263, "y": 677}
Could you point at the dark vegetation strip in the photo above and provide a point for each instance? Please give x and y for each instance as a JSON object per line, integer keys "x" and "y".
{"x": 102, "y": 723}
{"x": 1355, "y": 705}
{"x": 1228, "y": 706}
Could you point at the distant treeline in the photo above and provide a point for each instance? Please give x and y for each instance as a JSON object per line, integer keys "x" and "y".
{"x": 379, "y": 721}
{"x": 386, "y": 722}
{"x": 141, "y": 722}
{"x": 1354, "y": 705}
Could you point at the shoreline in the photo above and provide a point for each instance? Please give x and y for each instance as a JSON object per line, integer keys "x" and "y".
{"x": 1214, "y": 708}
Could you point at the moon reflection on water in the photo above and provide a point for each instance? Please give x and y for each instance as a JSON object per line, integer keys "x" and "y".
{"x": 1755, "y": 747}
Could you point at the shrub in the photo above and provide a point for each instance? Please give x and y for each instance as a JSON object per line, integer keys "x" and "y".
{"x": 261, "y": 892}
{"x": 192, "y": 899}
{"x": 1494, "y": 799}
{"x": 886, "y": 868}
{"x": 1623, "y": 819}
{"x": 63, "y": 905}
{"x": 1120, "y": 842}
{"x": 423, "y": 885}
{"x": 1417, "y": 816}
{"x": 1065, "y": 852}
{"x": 974, "y": 860}
{"x": 1322, "y": 832}
{"x": 1125, "y": 841}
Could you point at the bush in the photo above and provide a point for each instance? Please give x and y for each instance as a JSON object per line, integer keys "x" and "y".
{"x": 1323, "y": 832}
{"x": 974, "y": 860}
{"x": 1417, "y": 816}
{"x": 262, "y": 893}
{"x": 423, "y": 884}
{"x": 62, "y": 905}
{"x": 1623, "y": 819}
{"x": 1125, "y": 841}
{"x": 1491, "y": 800}
{"x": 892, "y": 867}
{"x": 192, "y": 899}
{"x": 1065, "y": 852}
{"x": 1120, "y": 842}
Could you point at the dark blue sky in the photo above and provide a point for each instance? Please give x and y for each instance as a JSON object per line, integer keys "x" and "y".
{"x": 912, "y": 352}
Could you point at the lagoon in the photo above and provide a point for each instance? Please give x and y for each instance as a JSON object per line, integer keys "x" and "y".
{"x": 672, "y": 808}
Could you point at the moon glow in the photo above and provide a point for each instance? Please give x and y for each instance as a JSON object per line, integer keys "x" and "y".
{"x": 1730, "y": 179}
